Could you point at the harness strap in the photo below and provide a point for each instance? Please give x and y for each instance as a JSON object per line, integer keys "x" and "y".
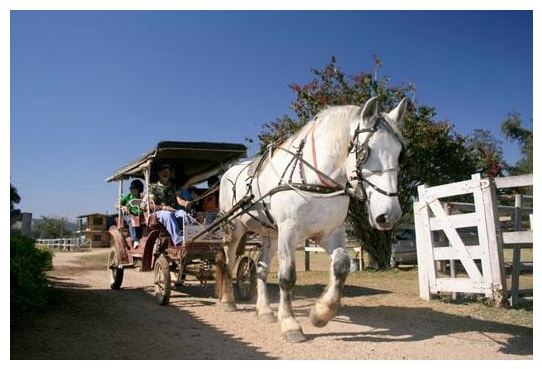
{"x": 288, "y": 187}
{"x": 271, "y": 224}
{"x": 378, "y": 189}
{"x": 321, "y": 174}
{"x": 298, "y": 154}
{"x": 307, "y": 188}
{"x": 292, "y": 162}
{"x": 250, "y": 178}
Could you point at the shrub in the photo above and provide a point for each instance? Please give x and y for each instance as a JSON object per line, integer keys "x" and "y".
{"x": 30, "y": 290}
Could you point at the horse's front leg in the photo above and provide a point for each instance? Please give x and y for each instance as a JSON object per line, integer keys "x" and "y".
{"x": 263, "y": 308}
{"x": 290, "y": 328}
{"x": 328, "y": 303}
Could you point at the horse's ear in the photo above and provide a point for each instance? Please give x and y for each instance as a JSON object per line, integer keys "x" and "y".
{"x": 398, "y": 114}
{"x": 370, "y": 110}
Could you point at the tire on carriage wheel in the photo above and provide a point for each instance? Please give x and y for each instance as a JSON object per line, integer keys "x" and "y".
{"x": 162, "y": 281}
{"x": 116, "y": 274}
{"x": 246, "y": 278}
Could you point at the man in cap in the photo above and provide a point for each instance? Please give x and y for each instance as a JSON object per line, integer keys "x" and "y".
{"x": 169, "y": 205}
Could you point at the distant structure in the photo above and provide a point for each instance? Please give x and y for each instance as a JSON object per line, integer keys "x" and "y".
{"x": 20, "y": 220}
{"x": 92, "y": 230}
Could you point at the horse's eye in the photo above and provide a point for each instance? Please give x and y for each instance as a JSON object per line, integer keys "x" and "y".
{"x": 363, "y": 153}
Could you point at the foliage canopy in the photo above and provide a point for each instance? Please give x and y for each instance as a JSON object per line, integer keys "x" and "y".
{"x": 435, "y": 153}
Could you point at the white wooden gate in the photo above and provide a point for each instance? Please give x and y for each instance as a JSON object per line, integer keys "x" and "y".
{"x": 482, "y": 262}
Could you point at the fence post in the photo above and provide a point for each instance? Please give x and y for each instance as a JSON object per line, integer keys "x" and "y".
{"x": 26, "y": 220}
{"x": 425, "y": 254}
{"x": 493, "y": 239}
{"x": 516, "y": 261}
{"x": 307, "y": 257}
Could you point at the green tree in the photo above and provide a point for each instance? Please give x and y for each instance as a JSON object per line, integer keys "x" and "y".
{"x": 512, "y": 130}
{"x": 14, "y": 197}
{"x": 49, "y": 227}
{"x": 486, "y": 152}
{"x": 435, "y": 153}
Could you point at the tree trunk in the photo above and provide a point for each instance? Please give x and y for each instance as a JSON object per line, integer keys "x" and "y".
{"x": 376, "y": 243}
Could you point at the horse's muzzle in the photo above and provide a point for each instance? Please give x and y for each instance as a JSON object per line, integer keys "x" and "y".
{"x": 384, "y": 223}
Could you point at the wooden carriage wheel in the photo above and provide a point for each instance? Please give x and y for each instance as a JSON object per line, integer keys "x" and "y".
{"x": 162, "y": 281}
{"x": 116, "y": 274}
{"x": 246, "y": 278}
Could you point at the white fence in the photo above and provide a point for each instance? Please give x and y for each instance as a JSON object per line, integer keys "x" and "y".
{"x": 356, "y": 263}
{"x": 483, "y": 261}
{"x": 64, "y": 244}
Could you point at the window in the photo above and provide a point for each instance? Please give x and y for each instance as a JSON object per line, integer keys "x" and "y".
{"x": 97, "y": 221}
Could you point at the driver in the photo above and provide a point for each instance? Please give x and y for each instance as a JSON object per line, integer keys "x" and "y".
{"x": 169, "y": 201}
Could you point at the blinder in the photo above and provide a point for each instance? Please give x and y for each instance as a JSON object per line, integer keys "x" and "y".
{"x": 362, "y": 154}
{"x": 362, "y": 150}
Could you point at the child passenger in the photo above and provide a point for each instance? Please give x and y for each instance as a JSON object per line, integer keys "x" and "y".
{"x": 131, "y": 210}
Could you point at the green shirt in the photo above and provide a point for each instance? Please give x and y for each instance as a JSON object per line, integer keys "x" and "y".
{"x": 125, "y": 200}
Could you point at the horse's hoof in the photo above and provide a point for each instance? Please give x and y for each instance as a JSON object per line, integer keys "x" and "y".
{"x": 316, "y": 321}
{"x": 294, "y": 336}
{"x": 267, "y": 318}
{"x": 229, "y": 306}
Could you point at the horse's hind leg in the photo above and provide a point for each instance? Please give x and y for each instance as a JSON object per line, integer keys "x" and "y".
{"x": 233, "y": 235}
{"x": 329, "y": 302}
{"x": 223, "y": 282}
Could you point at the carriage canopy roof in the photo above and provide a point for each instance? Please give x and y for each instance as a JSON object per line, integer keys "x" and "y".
{"x": 199, "y": 160}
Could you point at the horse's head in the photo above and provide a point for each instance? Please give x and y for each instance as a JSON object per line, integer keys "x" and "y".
{"x": 373, "y": 162}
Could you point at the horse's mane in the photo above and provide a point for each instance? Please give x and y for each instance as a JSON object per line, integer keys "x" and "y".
{"x": 334, "y": 120}
{"x": 352, "y": 113}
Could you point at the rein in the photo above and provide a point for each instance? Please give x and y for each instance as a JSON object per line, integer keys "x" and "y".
{"x": 208, "y": 192}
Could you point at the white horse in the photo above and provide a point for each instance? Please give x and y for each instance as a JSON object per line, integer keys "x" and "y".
{"x": 301, "y": 190}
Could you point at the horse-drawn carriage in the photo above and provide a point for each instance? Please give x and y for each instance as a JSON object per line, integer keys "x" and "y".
{"x": 201, "y": 253}
{"x": 298, "y": 190}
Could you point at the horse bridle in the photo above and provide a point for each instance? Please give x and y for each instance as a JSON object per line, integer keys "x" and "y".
{"x": 363, "y": 151}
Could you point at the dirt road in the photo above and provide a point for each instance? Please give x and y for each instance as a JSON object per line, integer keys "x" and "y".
{"x": 381, "y": 318}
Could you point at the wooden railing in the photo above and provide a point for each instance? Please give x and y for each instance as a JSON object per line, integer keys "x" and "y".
{"x": 63, "y": 244}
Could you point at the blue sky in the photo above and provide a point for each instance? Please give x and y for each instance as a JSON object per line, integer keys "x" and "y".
{"x": 92, "y": 90}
